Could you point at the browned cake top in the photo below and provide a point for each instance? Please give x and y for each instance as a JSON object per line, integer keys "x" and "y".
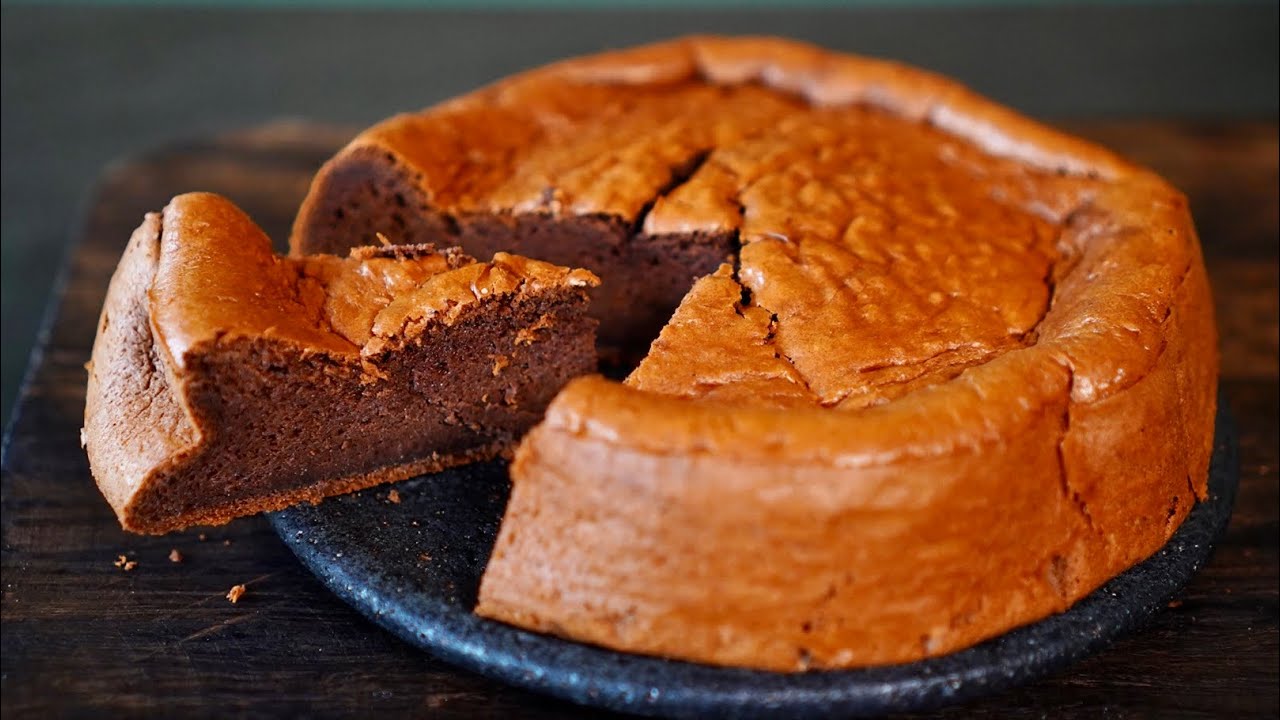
{"x": 893, "y": 230}
{"x": 887, "y": 255}
{"x": 879, "y": 253}
{"x": 218, "y": 278}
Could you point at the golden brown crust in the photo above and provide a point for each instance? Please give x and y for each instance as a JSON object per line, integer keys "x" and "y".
{"x": 882, "y": 258}
{"x": 133, "y": 421}
{"x": 598, "y": 135}
{"x": 999, "y": 489}
{"x": 783, "y": 554}
{"x": 719, "y": 347}
{"x": 212, "y": 252}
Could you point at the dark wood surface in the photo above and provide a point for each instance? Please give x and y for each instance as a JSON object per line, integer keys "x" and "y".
{"x": 81, "y": 635}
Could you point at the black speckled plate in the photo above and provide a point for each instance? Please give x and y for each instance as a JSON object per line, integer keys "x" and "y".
{"x": 414, "y": 568}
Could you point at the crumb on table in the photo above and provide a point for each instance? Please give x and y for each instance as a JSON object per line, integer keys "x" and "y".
{"x": 394, "y": 497}
{"x": 235, "y": 593}
{"x": 124, "y": 563}
{"x": 175, "y": 556}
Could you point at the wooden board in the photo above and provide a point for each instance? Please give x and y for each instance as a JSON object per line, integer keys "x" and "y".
{"x": 80, "y": 634}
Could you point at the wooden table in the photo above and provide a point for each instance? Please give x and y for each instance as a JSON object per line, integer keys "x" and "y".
{"x": 81, "y": 634}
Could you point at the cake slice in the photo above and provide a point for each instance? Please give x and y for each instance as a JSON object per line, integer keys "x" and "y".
{"x": 227, "y": 380}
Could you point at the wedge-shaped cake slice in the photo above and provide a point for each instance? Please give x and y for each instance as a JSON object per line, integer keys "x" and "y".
{"x": 227, "y": 380}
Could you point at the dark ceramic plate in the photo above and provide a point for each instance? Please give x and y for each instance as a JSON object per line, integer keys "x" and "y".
{"x": 414, "y": 568}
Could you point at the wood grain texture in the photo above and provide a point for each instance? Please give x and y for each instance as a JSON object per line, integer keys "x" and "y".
{"x": 81, "y": 635}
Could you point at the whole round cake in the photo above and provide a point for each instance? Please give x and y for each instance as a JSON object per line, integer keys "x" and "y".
{"x": 934, "y": 370}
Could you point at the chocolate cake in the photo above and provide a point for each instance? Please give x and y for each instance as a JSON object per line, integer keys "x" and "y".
{"x": 945, "y": 372}
{"x": 919, "y": 369}
{"x": 226, "y": 380}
